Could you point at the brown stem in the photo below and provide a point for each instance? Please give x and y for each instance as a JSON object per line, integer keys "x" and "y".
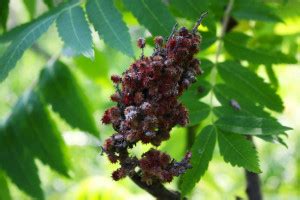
{"x": 253, "y": 189}
{"x": 157, "y": 190}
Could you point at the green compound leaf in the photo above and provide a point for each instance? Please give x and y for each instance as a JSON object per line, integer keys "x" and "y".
{"x": 254, "y": 10}
{"x": 4, "y": 10}
{"x": 237, "y": 150}
{"x": 202, "y": 152}
{"x": 250, "y": 125}
{"x": 60, "y": 89}
{"x": 152, "y": 14}
{"x": 27, "y": 37}
{"x": 257, "y": 56}
{"x": 74, "y": 30}
{"x": 4, "y": 194}
{"x": 250, "y": 85}
{"x": 109, "y": 24}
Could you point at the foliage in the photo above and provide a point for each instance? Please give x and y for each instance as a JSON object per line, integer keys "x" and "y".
{"x": 230, "y": 102}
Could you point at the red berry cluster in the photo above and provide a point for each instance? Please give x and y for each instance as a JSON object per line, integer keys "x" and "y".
{"x": 148, "y": 107}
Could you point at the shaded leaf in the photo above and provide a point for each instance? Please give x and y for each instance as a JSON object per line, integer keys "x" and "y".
{"x": 108, "y": 22}
{"x": 31, "y": 123}
{"x": 250, "y": 85}
{"x": 202, "y": 152}
{"x": 272, "y": 76}
{"x": 60, "y": 89}
{"x": 28, "y": 36}
{"x": 49, "y": 3}
{"x": 31, "y": 7}
{"x": 254, "y": 10}
{"x": 152, "y": 14}
{"x": 4, "y": 10}
{"x": 258, "y": 56}
{"x": 196, "y": 91}
{"x": 19, "y": 164}
{"x": 197, "y": 112}
{"x": 250, "y": 125}
{"x": 225, "y": 95}
{"x": 206, "y": 66}
{"x": 237, "y": 150}
{"x": 208, "y": 39}
{"x": 74, "y": 30}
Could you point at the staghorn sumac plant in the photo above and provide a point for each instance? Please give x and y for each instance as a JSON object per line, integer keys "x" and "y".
{"x": 148, "y": 106}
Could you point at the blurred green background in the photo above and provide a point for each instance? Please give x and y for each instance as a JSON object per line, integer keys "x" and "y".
{"x": 90, "y": 172}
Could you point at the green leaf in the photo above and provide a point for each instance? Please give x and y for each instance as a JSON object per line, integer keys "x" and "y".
{"x": 196, "y": 91}
{"x": 206, "y": 66}
{"x": 152, "y": 14}
{"x": 73, "y": 28}
{"x": 49, "y": 3}
{"x": 31, "y": 7}
{"x": 4, "y": 194}
{"x": 19, "y": 164}
{"x": 27, "y": 37}
{"x": 4, "y": 10}
{"x": 250, "y": 125}
{"x": 237, "y": 150}
{"x": 31, "y": 123}
{"x": 202, "y": 152}
{"x": 208, "y": 39}
{"x": 109, "y": 24}
{"x": 254, "y": 10}
{"x": 258, "y": 56}
{"x": 88, "y": 66}
{"x": 13, "y": 33}
{"x": 272, "y": 76}
{"x": 226, "y": 95}
{"x": 250, "y": 85}
{"x": 60, "y": 89}
{"x": 190, "y": 9}
{"x": 197, "y": 112}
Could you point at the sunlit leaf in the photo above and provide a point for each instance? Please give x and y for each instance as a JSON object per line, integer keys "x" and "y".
{"x": 27, "y": 37}
{"x": 108, "y": 23}
{"x": 75, "y": 32}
